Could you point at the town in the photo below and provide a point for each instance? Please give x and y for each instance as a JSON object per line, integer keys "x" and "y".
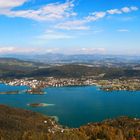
{"x": 36, "y": 85}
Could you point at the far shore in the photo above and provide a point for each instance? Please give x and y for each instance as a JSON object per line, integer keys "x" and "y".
{"x": 37, "y": 85}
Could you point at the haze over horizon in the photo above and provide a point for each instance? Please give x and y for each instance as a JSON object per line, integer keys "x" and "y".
{"x": 69, "y": 27}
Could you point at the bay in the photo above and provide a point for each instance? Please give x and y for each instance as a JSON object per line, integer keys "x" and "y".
{"x": 76, "y": 106}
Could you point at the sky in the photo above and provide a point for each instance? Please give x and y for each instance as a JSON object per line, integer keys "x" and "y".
{"x": 70, "y": 26}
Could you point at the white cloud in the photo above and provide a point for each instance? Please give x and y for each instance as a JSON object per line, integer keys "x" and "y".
{"x": 56, "y": 11}
{"x": 97, "y": 31}
{"x": 82, "y": 24}
{"x": 95, "y": 16}
{"x": 98, "y": 15}
{"x": 6, "y": 49}
{"x": 134, "y": 8}
{"x": 114, "y": 11}
{"x": 92, "y": 50}
{"x": 19, "y": 49}
{"x": 51, "y": 50}
{"x": 49, "y": 12}
{"x": 8, "y": 4}
{"x": 122, "y": 10}
{"x": 123, "y": 30}
{"x": 72, "y": 25}
{"x": 126, "y": 10}
{"x": 53, "y": 35}
{"x": 60, "y": 12}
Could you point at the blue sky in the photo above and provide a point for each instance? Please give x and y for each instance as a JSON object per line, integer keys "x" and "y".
{"x": 70, "y": 26}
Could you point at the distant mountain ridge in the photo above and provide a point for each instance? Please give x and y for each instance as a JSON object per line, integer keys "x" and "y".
{"x": 75, "y": 58}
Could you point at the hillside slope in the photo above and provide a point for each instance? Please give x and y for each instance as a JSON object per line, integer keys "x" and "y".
{"x": 18, "y": 124}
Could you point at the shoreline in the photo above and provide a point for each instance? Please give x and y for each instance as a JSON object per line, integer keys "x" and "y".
{"x": 42, "y": 126}
{"x": 42, "y": 92}
{"x": 37, "y": 86}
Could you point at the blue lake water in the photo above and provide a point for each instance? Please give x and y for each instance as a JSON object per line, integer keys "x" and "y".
{"x": 75, "y": 106}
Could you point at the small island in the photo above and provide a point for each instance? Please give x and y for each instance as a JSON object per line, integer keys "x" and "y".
{"x": 10, "y": 92}
{"x": 39, "y": 105}
{"x": 35, "y": 91}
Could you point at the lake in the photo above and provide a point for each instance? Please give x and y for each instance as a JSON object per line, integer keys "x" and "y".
{"x": 76, "y": 106}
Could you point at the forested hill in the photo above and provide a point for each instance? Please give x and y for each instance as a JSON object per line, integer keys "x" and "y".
{"x": 14, "y": 68}
{"x": 18, "y": 124}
